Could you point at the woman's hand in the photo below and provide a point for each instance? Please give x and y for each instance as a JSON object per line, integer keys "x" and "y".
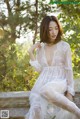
{"x": 33, "y": 47}
{"x": 69, "y": 96}
{"x": 31, "y": 50}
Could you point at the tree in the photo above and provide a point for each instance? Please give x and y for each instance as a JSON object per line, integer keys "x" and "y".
{"x": 20, "y": 18}
{"x": 70, "y": 17}
{"x": 24, "y": 17}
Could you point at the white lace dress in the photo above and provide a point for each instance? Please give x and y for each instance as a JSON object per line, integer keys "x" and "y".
{"x": 57, "y": 77}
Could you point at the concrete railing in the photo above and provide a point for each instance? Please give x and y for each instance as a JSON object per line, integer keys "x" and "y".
{"x": 17, "y": 103}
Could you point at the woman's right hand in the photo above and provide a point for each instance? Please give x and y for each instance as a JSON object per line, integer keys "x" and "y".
{"x": 33, "y": 47}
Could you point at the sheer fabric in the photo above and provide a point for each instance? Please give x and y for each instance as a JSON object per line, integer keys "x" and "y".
{"x": 54, "y": 79}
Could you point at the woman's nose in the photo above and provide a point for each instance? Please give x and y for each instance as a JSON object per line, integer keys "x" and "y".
{"x": 53, "y": 31}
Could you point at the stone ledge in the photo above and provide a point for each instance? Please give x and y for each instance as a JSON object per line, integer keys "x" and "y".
{"x": 14, "y": 99}
{"x": 14, "y": 94}
{"x": 16, "y": 113}
{"x": 18, "y": 103}
{"x": 77, "y": 99}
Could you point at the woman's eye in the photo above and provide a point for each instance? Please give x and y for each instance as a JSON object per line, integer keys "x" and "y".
{"x": 56, "y": 28}
{"x": 50, "y": 29}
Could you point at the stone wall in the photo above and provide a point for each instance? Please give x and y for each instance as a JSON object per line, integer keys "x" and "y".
{"x": 18, "y": 103}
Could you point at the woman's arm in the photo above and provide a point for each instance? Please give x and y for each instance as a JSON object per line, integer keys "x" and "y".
{"x": 69, "y": 74}
{"x": 34, "y": 60}
{"x": 31, "y": 51}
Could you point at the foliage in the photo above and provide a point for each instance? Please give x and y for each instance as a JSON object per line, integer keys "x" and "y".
{"x": 19, "y": 74}
{"x": 16, "y": 74}
{"x": 70, "y": 19}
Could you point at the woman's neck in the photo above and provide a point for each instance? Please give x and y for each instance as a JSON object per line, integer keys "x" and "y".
{"x": 49, "y": 44}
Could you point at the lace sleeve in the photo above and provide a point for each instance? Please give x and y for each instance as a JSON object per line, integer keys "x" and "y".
{"x": 69, "y": 71}
{"x": 36, "y": 64}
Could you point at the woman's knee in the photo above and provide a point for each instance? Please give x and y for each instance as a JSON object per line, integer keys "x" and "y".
{"x": 48, "y": 93}
{"x": 44, "y": 91}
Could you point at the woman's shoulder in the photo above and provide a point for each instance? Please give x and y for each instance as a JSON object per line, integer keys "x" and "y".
{"x": 65, "y": 44}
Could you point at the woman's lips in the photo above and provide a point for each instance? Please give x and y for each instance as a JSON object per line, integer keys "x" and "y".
{"x": 53, "y": 36}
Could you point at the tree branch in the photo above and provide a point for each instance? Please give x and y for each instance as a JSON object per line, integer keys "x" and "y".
{"x": 8, "y": 6}
{"x": 36, "y": 18}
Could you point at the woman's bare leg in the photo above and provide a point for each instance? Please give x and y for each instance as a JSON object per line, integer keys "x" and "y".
{"x": 60, "y": 100}
{"x": 37, "y": 111}
{"x": 34, "y": 113}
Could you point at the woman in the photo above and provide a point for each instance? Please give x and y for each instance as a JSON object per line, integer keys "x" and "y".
{"x": 52, "y": 95}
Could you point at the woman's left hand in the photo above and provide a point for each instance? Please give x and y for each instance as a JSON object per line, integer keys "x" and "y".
{"x": 69, "y": 96}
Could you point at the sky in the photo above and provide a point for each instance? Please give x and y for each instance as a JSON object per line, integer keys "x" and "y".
{"x": 29, "y": 36}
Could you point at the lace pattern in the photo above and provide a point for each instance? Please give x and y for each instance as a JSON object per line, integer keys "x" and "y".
{"x": 62, "y": 58}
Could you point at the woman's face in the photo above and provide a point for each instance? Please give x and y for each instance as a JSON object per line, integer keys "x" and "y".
{"x": 53, "y": 31}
